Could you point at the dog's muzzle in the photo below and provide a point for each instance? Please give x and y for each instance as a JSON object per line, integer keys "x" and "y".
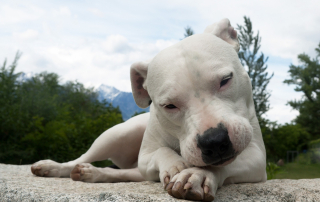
{"x": 215, "y": 145}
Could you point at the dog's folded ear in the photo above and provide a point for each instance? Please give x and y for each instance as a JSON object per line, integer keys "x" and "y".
{"x": 225, "y": 31}
{"x": 138, "y": 76}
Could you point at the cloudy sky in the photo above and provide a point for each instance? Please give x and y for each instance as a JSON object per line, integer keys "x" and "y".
{"x": 95, "y": 42}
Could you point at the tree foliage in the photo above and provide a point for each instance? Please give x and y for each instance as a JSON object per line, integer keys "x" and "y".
{"x": 41, "y": 119}
{"x": 279, "y": 139}
{"x": 255, "y": 63}
{"x": 306, "y": 79}
{"x": 188, "y": 31}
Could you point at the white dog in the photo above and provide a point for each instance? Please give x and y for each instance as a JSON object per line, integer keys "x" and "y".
{"x": 202, "y": 131}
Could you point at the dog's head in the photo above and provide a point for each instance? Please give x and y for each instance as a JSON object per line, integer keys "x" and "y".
{"x": 201, "y": 95}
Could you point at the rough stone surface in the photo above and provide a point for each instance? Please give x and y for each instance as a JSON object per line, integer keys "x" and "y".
{"x": 18, "y": 184}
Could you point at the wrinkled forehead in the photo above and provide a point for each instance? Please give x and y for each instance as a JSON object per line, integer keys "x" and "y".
{"x": 199, "y": 49}
{"x": 196, "y": 57}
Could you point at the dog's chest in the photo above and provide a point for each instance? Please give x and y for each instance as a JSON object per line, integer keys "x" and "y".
{"x": 172, "y": 142}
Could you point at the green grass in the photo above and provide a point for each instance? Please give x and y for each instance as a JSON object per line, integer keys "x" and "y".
{"x": 298, "y": 171}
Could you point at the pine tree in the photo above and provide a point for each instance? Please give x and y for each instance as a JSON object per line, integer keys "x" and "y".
{"x": 306, "y": 78}
{"x": 255, "y": 64}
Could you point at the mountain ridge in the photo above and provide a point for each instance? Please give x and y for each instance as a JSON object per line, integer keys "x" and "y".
{"x": 123, "y": 100}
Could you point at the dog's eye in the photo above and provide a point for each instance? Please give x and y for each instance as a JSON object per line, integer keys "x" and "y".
{"x": 224, "y": 82}
{"x": 170, "y": 106}
{"x": 226, "y": 79}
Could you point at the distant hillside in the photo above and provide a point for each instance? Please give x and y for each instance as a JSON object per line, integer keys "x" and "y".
{"x": 124, "y": 100}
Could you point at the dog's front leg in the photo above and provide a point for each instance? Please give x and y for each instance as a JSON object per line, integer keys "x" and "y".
{"x": 160, "y": 164}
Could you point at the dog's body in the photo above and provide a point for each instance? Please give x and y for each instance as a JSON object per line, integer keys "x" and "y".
{"x": 201, "y": 133}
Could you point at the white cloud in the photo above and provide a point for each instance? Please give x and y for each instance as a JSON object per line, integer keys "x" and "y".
{"x": 65, "y": 11}
{"x": 280, "y": 94}
{"x": 116, "y": 43}
{"x": 29, "y": 34}
{"x": 17, "y": 14}
{"x": 96, "y": 12}
{"x": 89, "y": 62}
{"x": 281, "y": 113}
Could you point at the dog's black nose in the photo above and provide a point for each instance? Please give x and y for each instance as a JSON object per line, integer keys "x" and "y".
{"x": 215, "y": 145}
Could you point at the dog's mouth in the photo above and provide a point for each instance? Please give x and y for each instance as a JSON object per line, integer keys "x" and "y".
{"x": 217, "y": 159}
{"x": 223, "y": 161}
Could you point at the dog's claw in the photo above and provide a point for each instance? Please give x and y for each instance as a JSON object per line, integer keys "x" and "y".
{"x": 177, "y": 186}
{"x": 169, "y": 186}
{"x": 166, "y": 180}
{"x": 187, "y": 186}
{"x": 208, "y": 197}
{"x": 206, "y": 189}
{"x": 192, "y": 195}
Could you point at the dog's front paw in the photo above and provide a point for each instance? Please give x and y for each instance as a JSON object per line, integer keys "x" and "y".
{"x": 194, "y": 183}
{"x": 167, "y": 173}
